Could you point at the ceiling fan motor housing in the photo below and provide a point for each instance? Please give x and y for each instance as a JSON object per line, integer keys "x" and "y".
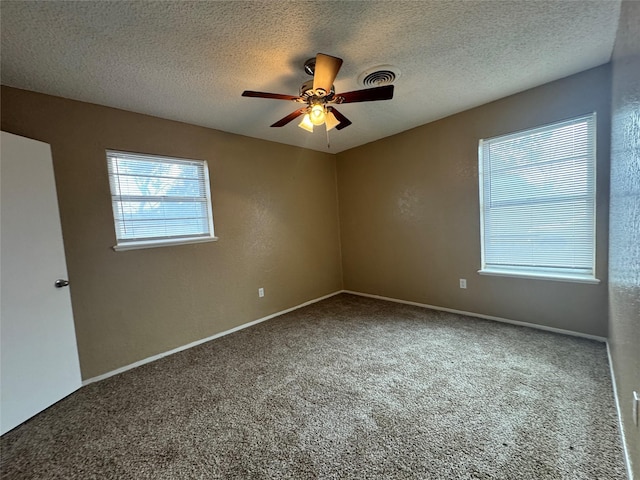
{"x": 308, "y": 93}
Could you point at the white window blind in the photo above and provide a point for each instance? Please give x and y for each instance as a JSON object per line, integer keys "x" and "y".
{"x": 537, "y": 201}
{"x": 159, "y": 200}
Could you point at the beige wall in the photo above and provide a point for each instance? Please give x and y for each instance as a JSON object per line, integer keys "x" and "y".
{"x": 275, "y": 212}
{"x": 409, "y": 212}
{"x": 624, "y": 264}
{"x": 409, "y": 221}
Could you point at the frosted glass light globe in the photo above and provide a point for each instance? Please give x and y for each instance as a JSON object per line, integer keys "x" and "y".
{"x": 317, "y": 115}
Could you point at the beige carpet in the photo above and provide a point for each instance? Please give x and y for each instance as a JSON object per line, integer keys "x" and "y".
{"x": 346, "y": 388}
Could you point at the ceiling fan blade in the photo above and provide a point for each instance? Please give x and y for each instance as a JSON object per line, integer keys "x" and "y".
{"x": 366, "y": 95}
{"x": 275, "y": 96}
{"x": 283, "y": 121}
{"x": 344, "y": 121}
{"x": 326, "y": 69}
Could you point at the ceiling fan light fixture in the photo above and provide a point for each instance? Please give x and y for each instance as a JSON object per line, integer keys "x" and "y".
{"x": 317, "y": 114}
{"x": 306, "y": 123}
{"x": 331, "y": 121}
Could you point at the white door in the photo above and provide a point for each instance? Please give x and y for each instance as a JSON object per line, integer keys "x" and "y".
{"x": 39, "y": 356}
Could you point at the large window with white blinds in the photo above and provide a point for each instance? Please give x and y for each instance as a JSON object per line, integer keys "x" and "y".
{"x": 537, "y": 201}
{"x": 159, "y": 200}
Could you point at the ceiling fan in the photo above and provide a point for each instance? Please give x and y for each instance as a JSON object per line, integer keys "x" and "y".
{"x": 319, "y": 96}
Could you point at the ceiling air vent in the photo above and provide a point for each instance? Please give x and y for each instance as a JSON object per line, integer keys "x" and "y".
{"x": 379, "y": 76}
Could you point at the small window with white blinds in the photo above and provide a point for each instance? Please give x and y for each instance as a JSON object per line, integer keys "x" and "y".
{"x": 159, "y": 201}
{"x": 537, "y": 201}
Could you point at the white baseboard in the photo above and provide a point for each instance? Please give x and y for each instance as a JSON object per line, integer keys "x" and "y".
{"x": 627, "y": 458}
{"x": 268, "y": 317}
{"x": 203, "y": 340}
{"x": 485, "y": 317}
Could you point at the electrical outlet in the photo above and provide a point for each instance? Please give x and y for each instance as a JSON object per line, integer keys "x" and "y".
{"x": 261, "y": 292}
{"x": 463, "y": 283}
{"x": 636, "y": 408}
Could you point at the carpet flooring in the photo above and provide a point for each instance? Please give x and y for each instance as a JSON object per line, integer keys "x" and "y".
{"x": 346, "y": 388}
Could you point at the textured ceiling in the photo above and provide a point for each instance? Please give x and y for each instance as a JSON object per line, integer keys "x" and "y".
{"x": 191, "y": 60}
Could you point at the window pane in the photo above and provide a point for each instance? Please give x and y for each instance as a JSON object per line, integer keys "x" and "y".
{"x": 538, "y": 199}
{"x": 159, "y": 198}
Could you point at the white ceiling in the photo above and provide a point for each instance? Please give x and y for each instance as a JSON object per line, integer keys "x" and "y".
{"x": 191, "y": 60}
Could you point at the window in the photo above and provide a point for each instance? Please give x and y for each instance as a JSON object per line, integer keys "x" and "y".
{"x": 159, "y": 201}
{"x": 537, "y": 202}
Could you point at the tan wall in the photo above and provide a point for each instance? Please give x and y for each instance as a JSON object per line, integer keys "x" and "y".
{"x": 409, "y": 216}
{"x": 409, "y": 212}
{"x": 275, "y": 212}
{"x": 624, "y": 264}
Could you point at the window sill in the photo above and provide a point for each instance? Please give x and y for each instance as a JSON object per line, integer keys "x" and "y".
{"x": 541, "y": 276}
{"x": 161, "y": 243}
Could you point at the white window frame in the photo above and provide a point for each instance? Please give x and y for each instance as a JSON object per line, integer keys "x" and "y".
{"x": 157, "y": 241}
{"x": 491, "y": 266}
